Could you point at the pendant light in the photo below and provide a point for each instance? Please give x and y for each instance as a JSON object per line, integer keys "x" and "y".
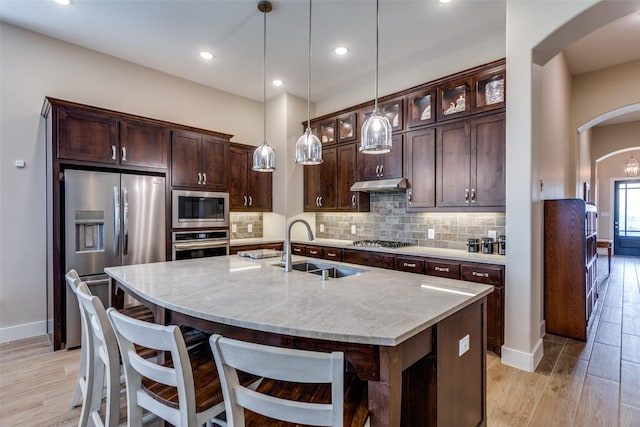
{"x": 631, "y": 167}
{"x": 308, "y": 146}
{"x": 264, "y": 158}
{"x": 376, "y": 130}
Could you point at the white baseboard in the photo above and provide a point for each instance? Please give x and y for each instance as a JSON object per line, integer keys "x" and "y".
{"x": 521, "y": 360}
{"x": 27, "y": 330}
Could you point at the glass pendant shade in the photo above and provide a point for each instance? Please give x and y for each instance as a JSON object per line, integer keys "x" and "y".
{"x": 308, "y": 149}
{"x": 631, "y": 167}
{"x": 264, "y": 158}
{"x": 376, "y": 135}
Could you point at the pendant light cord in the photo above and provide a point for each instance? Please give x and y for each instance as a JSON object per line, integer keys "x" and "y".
{"x": 309, "y": 73}
{"x": 375, "y": 107}
{"x": 264, "y": 77}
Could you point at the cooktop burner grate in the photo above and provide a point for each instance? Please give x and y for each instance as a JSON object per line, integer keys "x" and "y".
{"x": 380, "y": 243}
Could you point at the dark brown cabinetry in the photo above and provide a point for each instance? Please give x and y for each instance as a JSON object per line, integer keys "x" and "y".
{"x": 92, "y": 136}
{"x": 320, "y": 183}
{"x": 392, "y": 109}
{"x": 570, "y": 266}
{"x": 199, "y": 161}
{"x": 347, "y": 127}
{"x": 470, "y": 163}
{"x": 248, "y": 190}
{"x": 347, "y": 175}
{"x": 377, "y": 259}
{"x": 421, "y": 107}
{"x": 455, "y": 99}
{"x": 420, "y": 164}
{"x": 382, "y": 166}
{"x": 235, "y": 249}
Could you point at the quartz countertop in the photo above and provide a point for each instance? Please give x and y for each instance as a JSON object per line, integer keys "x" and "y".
{"x": 452, "y": 254}
{"x": 378, "y": 307}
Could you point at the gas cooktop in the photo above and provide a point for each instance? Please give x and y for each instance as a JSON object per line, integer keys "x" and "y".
{"x": 380, "y": 243}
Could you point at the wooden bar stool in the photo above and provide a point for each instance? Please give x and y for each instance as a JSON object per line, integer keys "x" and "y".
{"x": 606, "y": 243}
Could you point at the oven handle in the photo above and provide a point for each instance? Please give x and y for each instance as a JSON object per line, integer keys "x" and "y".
{"x": 198, "y": 245}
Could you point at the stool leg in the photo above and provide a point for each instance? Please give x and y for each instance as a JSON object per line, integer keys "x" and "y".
{"x": 609, "y": 257}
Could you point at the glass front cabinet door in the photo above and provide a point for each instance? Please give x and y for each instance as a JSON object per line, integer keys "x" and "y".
{"x": 421, "y": 107}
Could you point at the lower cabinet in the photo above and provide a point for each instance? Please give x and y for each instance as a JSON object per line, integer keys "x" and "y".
{"x": 235, "y": 249}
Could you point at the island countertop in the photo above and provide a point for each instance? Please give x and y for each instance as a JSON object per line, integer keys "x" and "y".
{"x": 379, "y": 306}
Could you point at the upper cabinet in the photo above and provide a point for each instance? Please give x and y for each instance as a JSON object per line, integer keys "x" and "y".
{"x": 348, "y": 127}
{"x": 320, "y": 183}
{"x": 421, "y": 108}
{"x": 420, "y": 164}
{"x": 325, "y": 130}
{"x": 90, "y": 135}
{"x": 455, "y": 99}
{"x": 372, "y": 167}
{"x": 199, "y": 161}
{"x": 489, "y": 89}
{"x": 248, "y": 190}
{"x": 393, "y": 109}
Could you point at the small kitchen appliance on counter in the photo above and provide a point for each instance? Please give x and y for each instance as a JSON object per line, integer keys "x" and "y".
{"x": 501, "y": 243}
{"x": 487, "y": 245}
{"x": 473, "y": 245}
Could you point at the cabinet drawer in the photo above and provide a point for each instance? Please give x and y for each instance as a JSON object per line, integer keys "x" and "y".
{"x": 332, "y": 253}
{"x": 439, "y": 268}
{"x": 410, "y": 264}
{"x": 490, "y": 275}
{"x": 375, "y": 259}
{"x": 314, "y": 251}
{"x": 298, "y": 249}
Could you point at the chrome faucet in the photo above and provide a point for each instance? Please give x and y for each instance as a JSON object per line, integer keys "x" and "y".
{"x": 287, "y": 242}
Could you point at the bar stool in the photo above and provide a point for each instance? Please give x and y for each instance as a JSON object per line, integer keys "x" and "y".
{"x": 309, "y": 401}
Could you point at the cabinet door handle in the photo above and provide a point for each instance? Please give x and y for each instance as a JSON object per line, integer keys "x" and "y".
{"x": 331, "y": 254}
{"x": 317, "y": 200}
{"x": 444, "y": 269}
{"x": 353, "y": 200}
{"x": 466, "y": 195}
{"x": 297, "y": 250}
{"x": 473, "y": 194}
{"x": 381, "y": 170}
{"x": 377, "y": 170}
{"x": 411, "y": 265}
{"x": 250, "y": 201}
{"x": 204, "y": 178}
{"x": 320, "y": 199}
{"x": 113, "y": 152}
{"x": 313, "y": 252}
{"x": 409, "y": 199}
{"x": 199, "y": 178}
{"x": 245, "y": 201}
{"x": 124, "y": 154}
{"x": 475, "y": 273}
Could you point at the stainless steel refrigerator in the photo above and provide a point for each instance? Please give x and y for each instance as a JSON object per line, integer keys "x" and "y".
{"x": 110, "y": 219}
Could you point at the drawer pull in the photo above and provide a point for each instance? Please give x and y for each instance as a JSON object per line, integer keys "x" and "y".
{"x": 412, "y": 265}
{"x": 445, "y": 269}
{"x": 297, "y": 250}
{"x": 475, "y": 273}
{"x": 313, "y": 252}
{"x": 331, "y": 254}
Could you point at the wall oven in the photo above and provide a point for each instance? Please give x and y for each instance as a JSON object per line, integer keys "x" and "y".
{"x": 199, "y": 244}
{"x": 199, "y": 209}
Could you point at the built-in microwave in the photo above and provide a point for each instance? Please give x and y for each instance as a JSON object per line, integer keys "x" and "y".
{"x": 199, "y": 209}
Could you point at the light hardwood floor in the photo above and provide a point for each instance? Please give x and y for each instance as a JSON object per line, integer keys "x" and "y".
{"x": 576, "y": 384}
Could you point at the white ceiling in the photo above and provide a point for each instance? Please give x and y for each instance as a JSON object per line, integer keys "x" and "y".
{"x": 167, "y": 35}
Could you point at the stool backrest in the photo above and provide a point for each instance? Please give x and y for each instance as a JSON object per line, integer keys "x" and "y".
{"x": 280, "y": 364}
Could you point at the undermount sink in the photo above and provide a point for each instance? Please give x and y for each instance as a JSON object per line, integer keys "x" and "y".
{"x": 333, "y": 271}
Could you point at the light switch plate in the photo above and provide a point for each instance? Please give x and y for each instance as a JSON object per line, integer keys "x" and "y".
{"x": 463, "y": 345}
{"x": 353, "y": 229}
{"x": 431, "y": 233}
{"x": 234, "y": 228}
{"x": 322, "y": 228}
{"x": 493, "y": 234}
{"x": 250, "y": 228}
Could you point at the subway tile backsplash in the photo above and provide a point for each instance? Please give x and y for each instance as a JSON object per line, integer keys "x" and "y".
{"x": 388, "y": 220}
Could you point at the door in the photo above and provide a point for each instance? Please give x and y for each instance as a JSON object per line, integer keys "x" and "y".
{"x": 213, "y": 163}
{"x": 421, "y": 169}
{"x": 238, "y": 172}
{"x": 91, "y": 225}
{"x": 143, "y": 219}
{"x": 453, "y": 165}
{"x": 143, "y": 144}
{"x": 488, "y": 161}
{"x": 626, "y": 225}
{"x": 185, "y": 162}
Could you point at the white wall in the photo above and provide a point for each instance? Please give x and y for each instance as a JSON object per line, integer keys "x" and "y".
{"x": 32, "y": 67}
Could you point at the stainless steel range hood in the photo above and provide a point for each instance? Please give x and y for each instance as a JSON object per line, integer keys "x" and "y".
{"x": 380, "y": 185}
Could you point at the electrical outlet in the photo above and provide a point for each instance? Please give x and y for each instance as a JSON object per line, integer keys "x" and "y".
{"x": 353, "y": 229}
{"x": 463, "y": 345}
{"x": 322, "y": 228}
{"x": 493, "y": 234}
{"x": 431, "y": 233}
{"x": 250, "y": 228}
{"x": 234, "y": 228}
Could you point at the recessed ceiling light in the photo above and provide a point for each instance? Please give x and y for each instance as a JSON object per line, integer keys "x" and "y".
{"x": 341, "y": 50}
{"x": 277, "y": 82}
{"x": 206, "y": 55}
{"x": 445, "y": 1}
{"x": 63, "y": 2}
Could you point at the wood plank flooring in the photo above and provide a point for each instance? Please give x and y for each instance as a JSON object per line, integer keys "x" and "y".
{"x": 596, "y": 383}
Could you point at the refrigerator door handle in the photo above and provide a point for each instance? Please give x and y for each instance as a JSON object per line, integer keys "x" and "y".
{"x": 116, "y": 221}
{"x": 125, "y": 203}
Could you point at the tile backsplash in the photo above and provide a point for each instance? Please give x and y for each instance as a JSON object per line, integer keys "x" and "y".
{"x": 245, "y": 220}
{"x": 388, "y": 220}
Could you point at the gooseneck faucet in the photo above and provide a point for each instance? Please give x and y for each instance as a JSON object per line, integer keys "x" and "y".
{"x": 287, "y": 242}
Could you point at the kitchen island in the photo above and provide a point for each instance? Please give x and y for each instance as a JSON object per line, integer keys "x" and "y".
{"x": 399, "y": 331}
